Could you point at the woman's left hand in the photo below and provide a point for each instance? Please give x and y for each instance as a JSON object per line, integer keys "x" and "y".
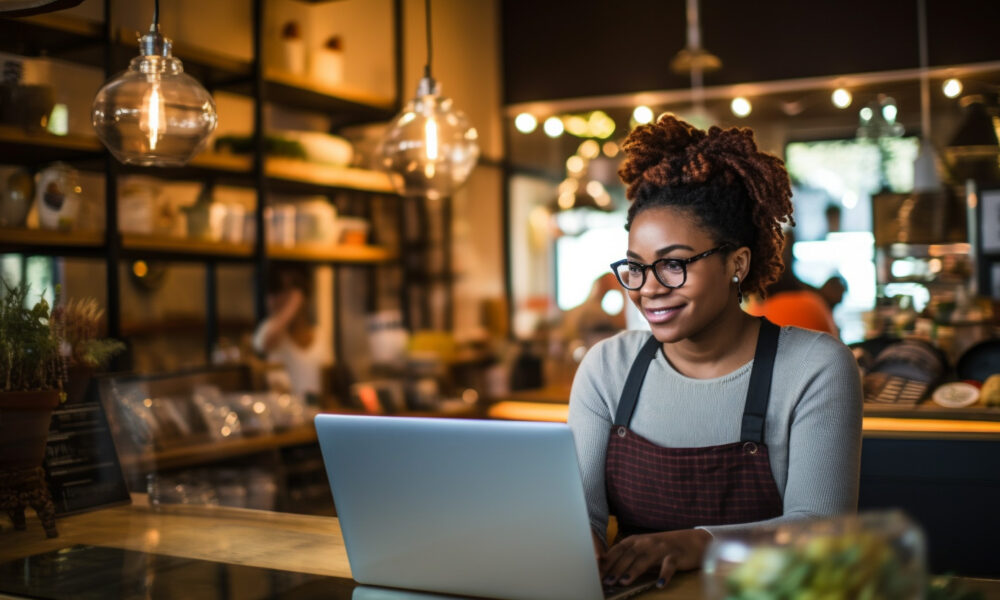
{"x": 669, "y": 552}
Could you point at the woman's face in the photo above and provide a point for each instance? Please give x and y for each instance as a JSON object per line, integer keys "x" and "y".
{"x": 675, "y": 314}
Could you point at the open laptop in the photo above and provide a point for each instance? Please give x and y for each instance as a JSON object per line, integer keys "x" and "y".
{"x": 490, "y": 509}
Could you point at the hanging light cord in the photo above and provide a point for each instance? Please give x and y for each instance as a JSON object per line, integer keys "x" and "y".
{"x": 156, "y": 16}
{"x": 427, "y": 23}
{"x": 925, "y": 92}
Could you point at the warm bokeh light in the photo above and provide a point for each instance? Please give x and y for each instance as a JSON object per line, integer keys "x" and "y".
{"x": 610, "y": 149}
{"x": 566, "y": 200}
{"x": 525, "y": 122}
{"x": 553, "y": 127}
{"x": 140, "y": 268}
{"x": 600, "y": 125}
{"x": 576, "y": 125}
{"x": 841, "y": 98}
{"x": 740, "y": 106}
{"x": 589, "y": 149}
{"x": 642, "y": 114}
{"x": 575, "y": 164}
{"x": 569, "y": 185}
{"x": 595, "y": 188}
{"x": 952, "y": 87}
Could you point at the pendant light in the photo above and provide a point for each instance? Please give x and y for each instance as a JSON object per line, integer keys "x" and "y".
{"x": 926, "y": 175}
{"x": 429, "y": 148}
{"x": 154, "y": 114}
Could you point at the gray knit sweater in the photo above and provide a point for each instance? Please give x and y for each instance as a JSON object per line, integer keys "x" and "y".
{"x": 812, "y": 432}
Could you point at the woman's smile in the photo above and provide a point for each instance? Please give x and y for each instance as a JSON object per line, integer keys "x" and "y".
{"x": 661, "y": 314}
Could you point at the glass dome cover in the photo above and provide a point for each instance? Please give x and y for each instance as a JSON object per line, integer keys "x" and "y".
{"x": 430, "y": 148}
{"x": 878, "y": 554}
{"x": 153, "y": 113}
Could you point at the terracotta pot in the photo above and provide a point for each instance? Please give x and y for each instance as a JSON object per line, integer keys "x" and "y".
{"x": 76, "y": 383}
{"x": 24, "y": 428}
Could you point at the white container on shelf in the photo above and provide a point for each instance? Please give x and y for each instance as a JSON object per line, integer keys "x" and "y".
{"x": 135, "y": 209}
{"x": 327, "y": 63}
{"x": 233, "y": 223}
{"x": 280, "y": 220}
{"x": 316, "y": 223}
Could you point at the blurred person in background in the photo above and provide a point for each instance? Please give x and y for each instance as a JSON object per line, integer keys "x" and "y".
{"x": 288, "y": 336}
{"x": 791, "y": 301}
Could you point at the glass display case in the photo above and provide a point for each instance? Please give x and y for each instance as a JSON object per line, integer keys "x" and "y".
{"x": 872, "y": 555}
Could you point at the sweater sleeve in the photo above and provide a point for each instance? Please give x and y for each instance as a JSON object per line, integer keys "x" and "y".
{"x": 590, "y": 421}
{"x": 824, "y": 440}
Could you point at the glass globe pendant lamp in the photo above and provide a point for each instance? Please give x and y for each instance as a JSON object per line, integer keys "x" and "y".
{"x": 153, "y": 114}
{"x": 430, "y": 148}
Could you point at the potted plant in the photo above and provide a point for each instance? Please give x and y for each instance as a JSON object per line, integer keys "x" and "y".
{"x": 35, "y": 354}
{"x": 76, "y": 324}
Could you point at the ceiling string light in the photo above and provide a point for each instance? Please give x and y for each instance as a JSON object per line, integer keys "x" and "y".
{"x": 154, "y": 114}
{"x": 430, "y": 148}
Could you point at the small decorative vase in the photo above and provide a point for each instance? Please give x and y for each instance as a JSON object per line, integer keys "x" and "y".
{"x": 57, "y": 197}
{"x": 16, "y": 197}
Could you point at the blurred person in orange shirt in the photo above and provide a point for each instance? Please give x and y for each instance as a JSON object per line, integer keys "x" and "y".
{"x": 790, "y": 301}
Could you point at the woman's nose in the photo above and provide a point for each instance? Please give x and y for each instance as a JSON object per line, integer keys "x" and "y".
{"x": 652, "y": 286}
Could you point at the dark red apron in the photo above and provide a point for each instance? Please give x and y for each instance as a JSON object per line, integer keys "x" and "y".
{"x": 651, "y": 488}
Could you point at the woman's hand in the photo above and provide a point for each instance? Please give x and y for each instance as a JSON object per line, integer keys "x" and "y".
{"x": 668, "y": 552}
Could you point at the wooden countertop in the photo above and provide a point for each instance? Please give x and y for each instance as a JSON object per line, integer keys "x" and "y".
{"x": 288, "y": 542}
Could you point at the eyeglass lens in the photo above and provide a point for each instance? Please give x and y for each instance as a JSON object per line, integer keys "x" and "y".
{"x": 669, "y": 272}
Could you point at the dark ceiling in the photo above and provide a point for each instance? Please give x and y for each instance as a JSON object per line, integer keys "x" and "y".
{"x": 557, "y": 49}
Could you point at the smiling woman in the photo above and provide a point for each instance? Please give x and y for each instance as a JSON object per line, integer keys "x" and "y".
{"x": 718, "y": 420}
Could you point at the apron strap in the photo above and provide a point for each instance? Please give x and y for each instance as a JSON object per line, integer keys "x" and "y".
{"x": 633, "y": 383}
{"x": 755, "y": 409}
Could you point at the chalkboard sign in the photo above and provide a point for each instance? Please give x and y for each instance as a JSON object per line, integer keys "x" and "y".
{"x": 81, "y": 465}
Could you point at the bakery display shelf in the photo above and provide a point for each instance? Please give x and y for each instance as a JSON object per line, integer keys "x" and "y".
{"x": 930, "y": 410}
{"x": 217, "y": 450}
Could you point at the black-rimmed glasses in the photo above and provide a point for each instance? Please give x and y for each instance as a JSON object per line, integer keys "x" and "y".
{"x": 671, "y": 272}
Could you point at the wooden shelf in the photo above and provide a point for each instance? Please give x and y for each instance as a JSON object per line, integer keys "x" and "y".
{"x": 18, "y": 146}
{"x": 42, "y": 241}
{"x": 208, "y": 452}
{"x": 53, "y": 35}
{"x": 140, "y": 244}
{"x": 349, "y": 178}
{"x": 346, "y": 105}
{"x": 184, "y": 246}
{"x": 346, "y": 253}
{"x": 222, "y": 162}
{"x": 212, "y": 69}
{"x": 44, "y": 237}
{"x": 180, "y": 325}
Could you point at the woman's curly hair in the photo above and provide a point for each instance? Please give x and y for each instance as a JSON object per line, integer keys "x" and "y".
{"x": 738, "y": 193}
